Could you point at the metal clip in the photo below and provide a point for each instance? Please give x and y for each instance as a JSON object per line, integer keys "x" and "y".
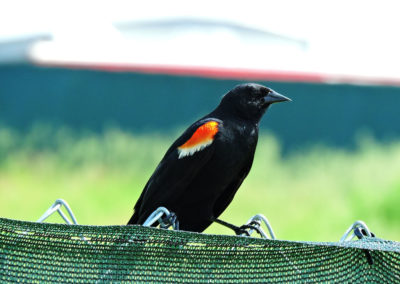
{"x": 57, "y": 205}
{"x": 350, "y": 233}
{"x": 169, "y": 219}
{"x": 360, "y": 230}
{"x": 254, "y": 224}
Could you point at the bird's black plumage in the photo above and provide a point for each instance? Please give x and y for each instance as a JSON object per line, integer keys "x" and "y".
{"x": 198, "y": 182}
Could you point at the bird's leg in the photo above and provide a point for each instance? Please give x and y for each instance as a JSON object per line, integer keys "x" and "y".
{"x": 238, "y": 230}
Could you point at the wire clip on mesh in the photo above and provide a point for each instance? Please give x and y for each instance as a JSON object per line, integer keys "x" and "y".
{"x": 254, "y": 225}
{"x": 164, "y": 217}
{"x": 360, "y": 230}
{"x": 56, "y": 207}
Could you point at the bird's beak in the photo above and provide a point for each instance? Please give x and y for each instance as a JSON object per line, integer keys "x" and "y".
{"x": 274, "y": 97}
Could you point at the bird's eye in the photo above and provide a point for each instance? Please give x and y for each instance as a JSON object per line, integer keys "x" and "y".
{"x": 262, "y": 93}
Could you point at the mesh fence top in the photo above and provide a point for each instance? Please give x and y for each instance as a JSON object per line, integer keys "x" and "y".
{"x": 36, "y": 252}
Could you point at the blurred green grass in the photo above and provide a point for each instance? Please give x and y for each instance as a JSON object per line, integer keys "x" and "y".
{"x": 313, "y": 194}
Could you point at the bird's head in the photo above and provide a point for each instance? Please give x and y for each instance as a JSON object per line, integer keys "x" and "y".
{"x": 250, "y": 101}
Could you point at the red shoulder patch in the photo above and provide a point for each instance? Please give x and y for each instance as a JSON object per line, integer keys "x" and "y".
{"x": 201, "y": 138}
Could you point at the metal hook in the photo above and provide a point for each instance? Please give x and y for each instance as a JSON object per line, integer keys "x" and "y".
{"x": 57, "y": 205}
{"x": 170, "y": 219}
{"x": 254, "y": 224}
{"x": 347, "y": 236}
{"x": 360, "y": 230}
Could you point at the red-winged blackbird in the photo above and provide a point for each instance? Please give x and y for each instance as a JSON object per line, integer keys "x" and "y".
{"x": 202, "y": 170}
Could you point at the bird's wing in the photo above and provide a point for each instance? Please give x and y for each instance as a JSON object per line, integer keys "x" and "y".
{"x": 226, "y": 197}
{"x": 187, "y": 155}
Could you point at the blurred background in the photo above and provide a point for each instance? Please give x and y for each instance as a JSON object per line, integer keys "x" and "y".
{"x": 93, "y": 93}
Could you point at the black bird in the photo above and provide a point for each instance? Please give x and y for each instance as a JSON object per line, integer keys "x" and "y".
{"x": 202, "y": 170}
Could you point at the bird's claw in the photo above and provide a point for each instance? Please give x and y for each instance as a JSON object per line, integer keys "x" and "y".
{"x": 243, "y": 230}
{"x": 170, "y": 220}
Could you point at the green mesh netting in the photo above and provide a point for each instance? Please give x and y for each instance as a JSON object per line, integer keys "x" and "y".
{"x": 34, "y": 252}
